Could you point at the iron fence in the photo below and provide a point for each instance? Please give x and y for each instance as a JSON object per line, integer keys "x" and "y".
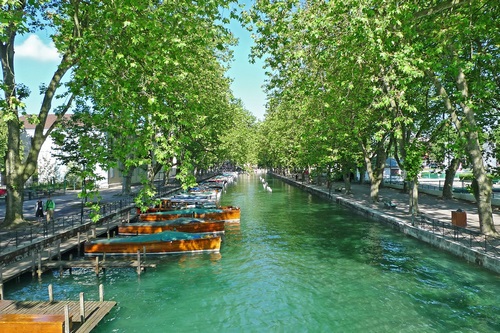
{"x": 35, "y": 231}
{"x": 471, "y": 239}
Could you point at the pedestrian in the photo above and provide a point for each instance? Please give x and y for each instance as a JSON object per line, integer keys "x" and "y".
{"x": 50, "y": 205}
{"x": 39, "y": 210}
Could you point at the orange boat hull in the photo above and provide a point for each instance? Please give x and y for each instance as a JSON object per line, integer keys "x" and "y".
{"x": 211, "y": 244}
{"x": 229, "y": 214}
{"x": 202, "y": 227}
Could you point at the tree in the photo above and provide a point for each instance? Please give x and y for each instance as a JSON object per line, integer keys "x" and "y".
{"x": 461, "y": 59}
{"x": 68, "y": 20}
{"x": 156, "y": 64}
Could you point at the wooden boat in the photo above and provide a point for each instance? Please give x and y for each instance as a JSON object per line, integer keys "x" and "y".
{"x": 180, "y": 202}
{"x": 167, "y": 242}
{"x": 213, "y": 193}
{"x": 224, "y": 213}
{"x": 183, "y": 224}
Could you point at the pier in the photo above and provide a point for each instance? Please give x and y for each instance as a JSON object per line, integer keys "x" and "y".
{"x": 83, "y": 318}
{"x": 39, "y": 249}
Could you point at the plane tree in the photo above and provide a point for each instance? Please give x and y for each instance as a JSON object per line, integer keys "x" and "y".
{"x": 320, "y": 54}
{"x": 159, "y": 90}
{"x": 67, "y": 21}
{"x": 238, "y": 144}
{"x": 148, "y": 54}
{"x": 459, "y": 49}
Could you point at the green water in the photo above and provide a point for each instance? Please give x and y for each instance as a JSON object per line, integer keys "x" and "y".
{"x": 296, "y": 263}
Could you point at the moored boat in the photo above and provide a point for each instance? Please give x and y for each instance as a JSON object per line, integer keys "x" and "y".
{"x": 224, "y": 213}
{"x": 183, "y": 224}
{"x": 180, "y": 202}
{"x": 167, "y": 242}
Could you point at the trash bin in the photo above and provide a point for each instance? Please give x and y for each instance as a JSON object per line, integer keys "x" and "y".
{"x": 459, "y": 218}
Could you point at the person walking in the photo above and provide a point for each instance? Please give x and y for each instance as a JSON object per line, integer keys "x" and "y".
{"x": 50, "y": 205}
{"x": 39, "y": 210}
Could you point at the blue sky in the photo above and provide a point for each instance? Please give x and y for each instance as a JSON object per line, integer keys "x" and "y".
{"x": 36, "y": 60}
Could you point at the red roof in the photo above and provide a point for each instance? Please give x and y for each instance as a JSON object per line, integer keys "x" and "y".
{"x": 51, "y": 118}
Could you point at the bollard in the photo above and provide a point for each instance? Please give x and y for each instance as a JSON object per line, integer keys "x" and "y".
{"x": 51, "y": 293}
{"x": 33, "y": 264}
{"x": 97, "y": 266}
{"x": 39, "y": 265}
{"x": 78, "y": 243}
{"x": 82, "y": 308}
{"x": 66, "y": 319}
{"x": 101, "y": 293}
{"x": 59, "y": 250}
{"x": 138, "y": 262}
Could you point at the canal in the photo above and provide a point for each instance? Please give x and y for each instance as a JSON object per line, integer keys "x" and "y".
{"x": 296, "y": 263}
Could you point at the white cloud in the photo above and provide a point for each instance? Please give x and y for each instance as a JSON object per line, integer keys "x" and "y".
{"x": 34, "y": 48}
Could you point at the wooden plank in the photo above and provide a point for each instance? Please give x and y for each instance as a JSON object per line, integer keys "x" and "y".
{"x": 95, "y": 311}
{"x": 32, "y": 323}
{"x": 96, "y": 317}
{"x": 5, "y": 304}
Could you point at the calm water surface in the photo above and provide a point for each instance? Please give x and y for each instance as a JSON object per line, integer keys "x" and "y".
{"x": 296, "y": 263}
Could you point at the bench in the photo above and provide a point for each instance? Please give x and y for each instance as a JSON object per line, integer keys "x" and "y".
{"x": 32, "y": 323}
{"x": 389, "y": 204}
{"x": 339, "y": 189}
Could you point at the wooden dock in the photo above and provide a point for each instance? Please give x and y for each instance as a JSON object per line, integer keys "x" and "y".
{"x": 94, "y": 311}
{"x": 97, "y": 265}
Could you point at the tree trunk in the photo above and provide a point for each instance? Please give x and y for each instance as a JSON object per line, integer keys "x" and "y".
{"x": 484, "y": 190}
{"x": 347, "y": 182}
{"x": 14, "y": 202}
{"x": 413, "y": 198}
{"x": 475, "y": 155}
{"x": 468, "y": 129}
{"x": 449, "y": 178}
{"x": 375, "y": 173}
{"x": 127, "y": 182}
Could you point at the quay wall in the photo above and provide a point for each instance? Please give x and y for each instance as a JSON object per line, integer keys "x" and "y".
{"x": 470, "y": 255}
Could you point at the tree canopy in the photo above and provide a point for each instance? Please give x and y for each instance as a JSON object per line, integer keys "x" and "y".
{"x": 364, "y": 79}
{"x": 145, "y": 82}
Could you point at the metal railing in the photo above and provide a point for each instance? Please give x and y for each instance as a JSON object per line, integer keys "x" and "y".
{"x": 474, "y": 240}
{"x": 13, "y": 239}
{"x": 439, "y": 187}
